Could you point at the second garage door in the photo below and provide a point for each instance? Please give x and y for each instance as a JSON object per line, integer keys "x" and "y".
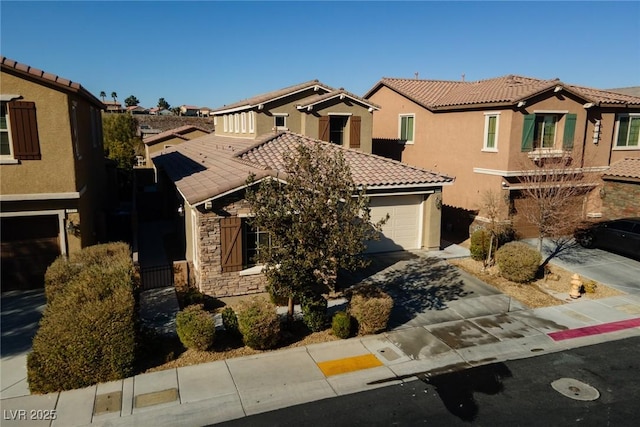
{"x": 402, "y": 231}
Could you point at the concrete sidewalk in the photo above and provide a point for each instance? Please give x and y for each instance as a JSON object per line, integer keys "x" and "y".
{"x": 224, "y": 390}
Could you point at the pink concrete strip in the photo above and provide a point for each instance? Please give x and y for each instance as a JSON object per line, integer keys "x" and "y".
{"x": 594, "y": 330}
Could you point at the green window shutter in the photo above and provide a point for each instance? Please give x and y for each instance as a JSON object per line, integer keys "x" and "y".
{"x": 527, "y": 132}
{"x": 569, "y": 131}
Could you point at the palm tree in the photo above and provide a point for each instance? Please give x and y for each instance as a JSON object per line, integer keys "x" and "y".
{"x": 114, "y": 96}
{"x": 103, "y": 95}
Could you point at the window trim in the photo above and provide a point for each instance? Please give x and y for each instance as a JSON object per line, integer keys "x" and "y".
{"x": 225, "y": 123}
{"x": 283, "y": 115}
{"x": 74, "y": 129}
{"x": 243, "y": 122}
{"x": 251, "y": 122}
{"x": 413, "y": 131}
{"x": 8, "y": 158}
{"x": 487, "y": 117}
{"x": 627, "y": 147}
{"x": 236, "y": 123}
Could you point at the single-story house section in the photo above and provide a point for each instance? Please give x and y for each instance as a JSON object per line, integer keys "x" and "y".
{"x": 210, "y": 175}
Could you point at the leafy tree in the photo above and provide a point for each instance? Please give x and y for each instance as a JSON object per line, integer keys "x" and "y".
{"x": 318, "y": 221}
{"x": 163, "y": 104}
{"x": 131, "y": 101}
{"x": 103, "y": 95}
{"x": 120, "y": 138}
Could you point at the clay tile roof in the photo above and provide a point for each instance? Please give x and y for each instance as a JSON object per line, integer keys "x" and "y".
{"x": 49, "y": 78}
{"x": 172, "y": 133}
{"x": 435, "y": 94}
{"x": 266, "y": 97}
{"x": 212, "y": 165}
{"x": 627, "y": 168}
{"x": 366, "y": 169}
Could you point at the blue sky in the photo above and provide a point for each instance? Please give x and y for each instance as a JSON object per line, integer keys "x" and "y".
{"x": 214, "y": 53}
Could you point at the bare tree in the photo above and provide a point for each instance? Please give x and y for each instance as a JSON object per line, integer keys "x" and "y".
{"x": 555, "y": 193}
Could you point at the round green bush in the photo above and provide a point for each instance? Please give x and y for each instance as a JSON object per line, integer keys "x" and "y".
{"x": 259, "y": 324}
{"x": 314, "y": 312}
{"x": 480, "y": 243}
{"x": 230, "y": 320}
{"x": 341, "y": 324}
{"x": 518, "y": 262}
{"x": 196, "y": 328}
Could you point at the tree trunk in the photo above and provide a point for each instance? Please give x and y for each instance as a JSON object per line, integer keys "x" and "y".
{"x": 290, "y": 309}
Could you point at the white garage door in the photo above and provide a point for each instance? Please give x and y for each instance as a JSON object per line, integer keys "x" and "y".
{"x": 402, "y": 231}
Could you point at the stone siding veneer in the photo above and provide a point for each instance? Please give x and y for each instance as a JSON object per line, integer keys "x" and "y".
{"x": 210, "y": 278}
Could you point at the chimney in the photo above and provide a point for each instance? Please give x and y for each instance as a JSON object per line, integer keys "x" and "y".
{"x": 416, "y": 74}
{"x": 463, "y": 76}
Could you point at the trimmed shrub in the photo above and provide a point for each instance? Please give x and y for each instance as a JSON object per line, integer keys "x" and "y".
{"x": 88, "y": 331}
{"x": 480, "y": 243}
{"x": 230, "y": 320}
{"x": 196, "y": 327}
{"x": 314, "y": 312}
{"x": 259, "y": 324}
{"x": 371, "y": 308}
{"x": 341, "y": 324}
{"x": 518, "y": 262}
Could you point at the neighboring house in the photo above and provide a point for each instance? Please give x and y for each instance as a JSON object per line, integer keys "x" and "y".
{"x": 113, "y": 107}
{"x": 311, "y": 108}
{"x": 204, "y": 112}
{"x": 631, "y": 90}
{"x": 136, "y": 109}
{"x": 164, "y": 140}
{"x": 53, "y": 187}
{"x": 189, "y": 110}
{"x": 490, "y": 132}
{"x": 210, "y": 176}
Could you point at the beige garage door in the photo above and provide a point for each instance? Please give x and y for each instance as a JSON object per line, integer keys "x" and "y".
{"x": 402, "y": 230}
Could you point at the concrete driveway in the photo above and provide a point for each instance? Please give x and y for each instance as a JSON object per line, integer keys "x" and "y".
{"x": 20, "y": 313}
{"x": 610, "y": 269}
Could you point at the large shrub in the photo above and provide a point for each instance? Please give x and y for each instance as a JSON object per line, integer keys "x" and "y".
{"x": 341, "y": 324}
{"x": 87, "y": 333}
{"x": 195, "y": 327}
{"x": 314, "y": 312}
{"x": 518, "y": 262}
{"x": 371, "y": 308}
{"x": 480, "y": 243}
{"x": 259, "y": 324}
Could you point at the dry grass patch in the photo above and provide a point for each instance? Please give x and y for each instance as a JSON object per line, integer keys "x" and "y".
{"x": 543, "y": 292}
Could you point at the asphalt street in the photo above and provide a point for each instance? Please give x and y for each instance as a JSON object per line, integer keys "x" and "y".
{"x": 513, "y": 393}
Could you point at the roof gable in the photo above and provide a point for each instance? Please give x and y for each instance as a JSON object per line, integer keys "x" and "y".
{"x": 506, "y": 90}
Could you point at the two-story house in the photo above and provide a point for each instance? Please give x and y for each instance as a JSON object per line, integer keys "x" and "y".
{"x": 53, "y": 183}
{"x": 491, "y": 133}
{"x": 310, "y": 108}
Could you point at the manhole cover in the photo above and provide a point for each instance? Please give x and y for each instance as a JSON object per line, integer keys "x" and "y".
{"x": 575, "y": 389}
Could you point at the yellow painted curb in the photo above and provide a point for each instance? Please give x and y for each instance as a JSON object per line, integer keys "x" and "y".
{"x": 349, "y": 364}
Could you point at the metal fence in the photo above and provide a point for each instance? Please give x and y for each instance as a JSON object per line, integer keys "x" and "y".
{"x": 156, "y": 277}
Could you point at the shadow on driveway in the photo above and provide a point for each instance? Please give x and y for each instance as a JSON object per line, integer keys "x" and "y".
{"x": 20, "y": 313}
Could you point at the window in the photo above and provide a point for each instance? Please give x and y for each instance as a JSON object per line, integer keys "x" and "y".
{"x": 225, "y": 123}
{"x": 336, "y": 129}
{"x": 5, "y": 133}
{"x": 243, "y": 122}
{"x": 251, "y": 124}
{"x": 74, "y": 128}
{"x": 407, "y": 128}
{"x": 628, "y": 131}
{"x": 490, "y": 132}
{"x": 280, "y": 121}
{"x": 540, "y": 130}
{"x": 236, "y": 123}
{"x": 256, "y": 240}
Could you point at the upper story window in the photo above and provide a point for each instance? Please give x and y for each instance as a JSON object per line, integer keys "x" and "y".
{"x": 406, "y": 127}
{"x": 627, "y": 132}
{"x": 243, "y": 122}
{"x": 491, "y": 121}
{"x": 236, "y": 123}
{"x": 18, "y": 132}
{"x": 280, "y": 121}
{"x": 540, "y": 131}
{"x": 225, "y": 121}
